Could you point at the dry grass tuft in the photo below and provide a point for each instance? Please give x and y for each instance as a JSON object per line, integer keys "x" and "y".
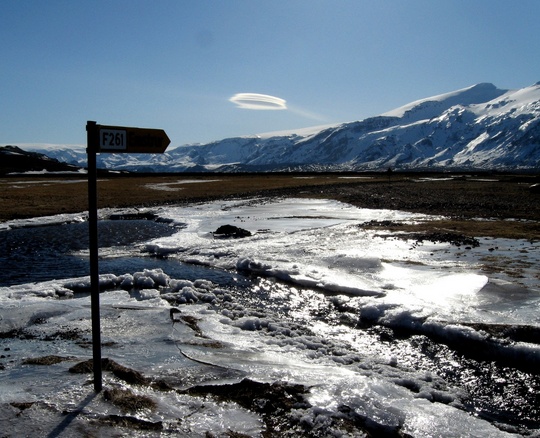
{"x": 45, "y": 360}
{"x": 128, "y": 401}
{"x": 128, "y": 375}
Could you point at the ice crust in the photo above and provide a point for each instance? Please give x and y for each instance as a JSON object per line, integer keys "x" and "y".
{"x": 432, "y": 289}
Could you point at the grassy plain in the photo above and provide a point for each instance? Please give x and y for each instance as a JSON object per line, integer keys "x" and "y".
{"x": 496, "y": 205}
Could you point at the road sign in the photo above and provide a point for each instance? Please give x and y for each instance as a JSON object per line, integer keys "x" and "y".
{"x": 123, "y": 139}
{"x": 112, "y": 139}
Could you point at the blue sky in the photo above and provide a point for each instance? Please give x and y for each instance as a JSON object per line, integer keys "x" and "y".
{"x": 175, "y": 64}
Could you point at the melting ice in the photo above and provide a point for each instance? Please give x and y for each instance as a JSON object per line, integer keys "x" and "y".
{"x": 318, "y": 277}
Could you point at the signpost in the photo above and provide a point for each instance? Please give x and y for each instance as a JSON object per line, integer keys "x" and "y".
{"x": 121, "y": 139}
{"x": 110, "y": 139}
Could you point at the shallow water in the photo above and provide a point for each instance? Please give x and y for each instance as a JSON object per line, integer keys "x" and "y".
{"x": 35, "y": 254}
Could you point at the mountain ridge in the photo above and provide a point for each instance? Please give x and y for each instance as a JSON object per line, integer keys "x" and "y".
{"x": 16, "y": 160}
{"x": 479, "y": 127}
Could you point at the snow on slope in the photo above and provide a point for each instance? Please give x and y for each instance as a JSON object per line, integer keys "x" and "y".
{"x": 466, "y": 96}
{"x": 479, "y": 127}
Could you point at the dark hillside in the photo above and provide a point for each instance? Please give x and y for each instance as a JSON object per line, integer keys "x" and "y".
{"x": 14, "y": 160}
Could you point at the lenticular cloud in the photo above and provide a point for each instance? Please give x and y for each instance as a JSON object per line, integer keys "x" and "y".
{"x": 256, "y": 101}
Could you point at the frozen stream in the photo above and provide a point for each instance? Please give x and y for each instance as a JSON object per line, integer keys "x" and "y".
{"x": 388, "y": 335}
{"x": 41, "y": 253}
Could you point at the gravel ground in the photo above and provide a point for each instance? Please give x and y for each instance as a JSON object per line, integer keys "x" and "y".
{"x": 460, "y": 198}
{"x": 502, "y": 207}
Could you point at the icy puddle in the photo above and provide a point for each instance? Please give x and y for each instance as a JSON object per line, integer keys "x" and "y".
{"x": 311, "y": 326}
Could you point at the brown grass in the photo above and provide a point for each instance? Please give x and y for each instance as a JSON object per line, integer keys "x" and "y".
{"x": 493, "y": 205}
{"x": 128, "y": 401}
{"x": 45, "y": 360}
{"x": 479, "y": 228}
{"x": 24, "y": 197}
{"x": 128, "y": 375}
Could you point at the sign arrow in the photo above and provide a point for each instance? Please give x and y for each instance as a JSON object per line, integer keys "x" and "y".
{"x": 123, "y": 139}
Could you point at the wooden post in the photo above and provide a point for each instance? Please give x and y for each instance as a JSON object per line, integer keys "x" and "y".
{"x": 111, "y": 139}
{"x": 92, "y": 143}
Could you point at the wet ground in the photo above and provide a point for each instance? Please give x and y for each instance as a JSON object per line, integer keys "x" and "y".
{"x": 503, "y": 395}
{"x": 459, "y": 196}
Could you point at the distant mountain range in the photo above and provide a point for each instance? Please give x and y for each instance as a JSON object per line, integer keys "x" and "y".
{"x": 479, "y": 127}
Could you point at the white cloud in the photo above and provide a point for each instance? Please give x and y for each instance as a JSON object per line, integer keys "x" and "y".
{"x": 256, "y": 101}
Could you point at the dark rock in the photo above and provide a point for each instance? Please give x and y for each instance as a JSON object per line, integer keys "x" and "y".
{"x": 133, "y": 216}
{"x": 22, "y": 405}
{"x": 228, "y": 231}
{"x": 445, "y": 237}
{"x": 260, "y": 397}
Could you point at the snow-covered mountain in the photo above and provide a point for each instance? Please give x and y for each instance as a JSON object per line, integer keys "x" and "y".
{"x": 479, "y": 127}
